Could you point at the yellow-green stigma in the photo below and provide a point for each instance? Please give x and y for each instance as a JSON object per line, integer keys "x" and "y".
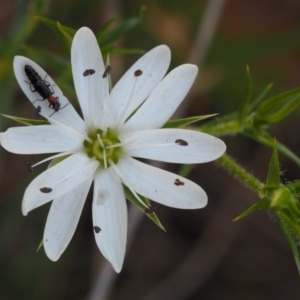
{"x": 103, "y": 147}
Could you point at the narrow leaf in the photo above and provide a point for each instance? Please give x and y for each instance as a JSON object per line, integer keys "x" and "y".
{"x": 278, "y": 107}
{"x": 104, "y": 28}
{"x": 295, "y": 229}
{"x": 64, "y": 33}
{"x": 244, "y": 105}
{"x": 261, "y": 96}
{"x": 187, "y": 121}
{"x": 110, "y": 37}
{"x": 40, "y": 246}
{"x": 291, "y": 242}
{"x": 152, "y": 216}
{"x": 262, "y": 204}
{"x": 273, "y": 178}
{"x": 68, "y": 32}
{"x": 28, "y": 122}
{"x": 294, "y": 187}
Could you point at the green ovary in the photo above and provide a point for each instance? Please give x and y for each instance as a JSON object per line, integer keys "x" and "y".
{"x": 99, "y": 148}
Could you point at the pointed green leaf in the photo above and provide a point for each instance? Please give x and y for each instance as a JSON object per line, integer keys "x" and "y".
{"x": 264, "y": 137}
{"x": 294, "y": 187}
{"x": 288, "y": 153}
{"x": 261, "y": 96}
{"x": 262, "y": 204}
{"x": 291, "y": 241}
{"x": 107, "y": 38}
{"x": 280, "y": 197}
{"x": 40, "y": 246}
{"x": 224, "y": 125}
{"x": 295, "y": 229}
{"x": 28, "y": 122}
{"x": 244, "y": 105}
{"x": 152, "y": 216}
{"x": 104, "y": 29}
{"x": 278, "y": 107}
{"x": 273, "y": 178}
{"x": 65, "y": 34}
{"x": 187, "y": 121}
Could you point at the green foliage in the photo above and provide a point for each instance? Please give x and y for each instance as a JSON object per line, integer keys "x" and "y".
{"x": 152, "y": 216}
{"x": 244, "y": 104}
{"x": 24, "y": 121}
{"x": 277, "y": 108}
{"x": 262, "y": 204}
{"x": 283, "y": 202}
{"x": 291, "y": 242}
{"x": 106, "y": 37}
{"x": 186, "y": 121}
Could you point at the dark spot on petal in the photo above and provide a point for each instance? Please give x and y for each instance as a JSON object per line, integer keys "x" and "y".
{"x": 106, "y": 72}
{"x": 88, "y": 72}
{"x": 97, "y": 229}
{"x": 178, "y": 182}
{"x": 150, "y": 210}
{"x": 46, "y": 190}
{"x": 29, "y": 167}
{"x": 37, "y": 112}
{"x": 138, "y": 73}
{"x": 181, "y": 142}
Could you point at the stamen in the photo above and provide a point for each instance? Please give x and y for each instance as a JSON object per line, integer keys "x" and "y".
{"x": 100, "y": 141}
{"x": 115, "y": 168}
{"x": 104, "y": 150}
{"x": 51, "y": 157}
{"x": 83, "y": 136}
{"x": 114, "y": 146}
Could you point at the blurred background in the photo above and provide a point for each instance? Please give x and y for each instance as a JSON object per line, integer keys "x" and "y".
{"x": 203, "y": 254}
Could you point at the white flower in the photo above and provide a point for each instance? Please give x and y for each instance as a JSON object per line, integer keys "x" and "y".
{"x": 100, "y": 147}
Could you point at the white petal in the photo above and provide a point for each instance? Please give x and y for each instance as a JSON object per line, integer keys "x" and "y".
{"x": 66, "y": 115}
{"x": 173, "y": 145}
{"x": 164, "y": 100}
{"x": 110, "y": 218}
{"x": 63, "y": 218}
{"x": 132, "y": 90}
{"x": 162, "y": 186}
{"x": 40, "y": 139}
{"x": 61, "y": 178}
{"x": 92, "y": 90}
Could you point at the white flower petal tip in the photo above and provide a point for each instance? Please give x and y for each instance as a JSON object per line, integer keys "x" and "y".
{"x": 52, "y": 255}
{"x": 58, "y": 180}
{"x": 110, "y": 218}
{"x": 63, "y": 218}
{"x": 137, "y": 84}
{"x": 66, "y": 114}
{"x": 161, "y": 186}
{"x": 164, "y": 100}
{"x": 88, "y": 69}
{"x": 173, "y": 145}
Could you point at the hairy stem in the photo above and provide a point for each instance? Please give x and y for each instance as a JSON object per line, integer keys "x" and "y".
{"x": 241, "y": 174}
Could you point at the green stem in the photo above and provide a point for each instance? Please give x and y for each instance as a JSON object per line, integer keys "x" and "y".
{"x": 241, "y": 174}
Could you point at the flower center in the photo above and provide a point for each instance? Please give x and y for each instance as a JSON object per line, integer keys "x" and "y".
{"x": 104, "y": 147}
